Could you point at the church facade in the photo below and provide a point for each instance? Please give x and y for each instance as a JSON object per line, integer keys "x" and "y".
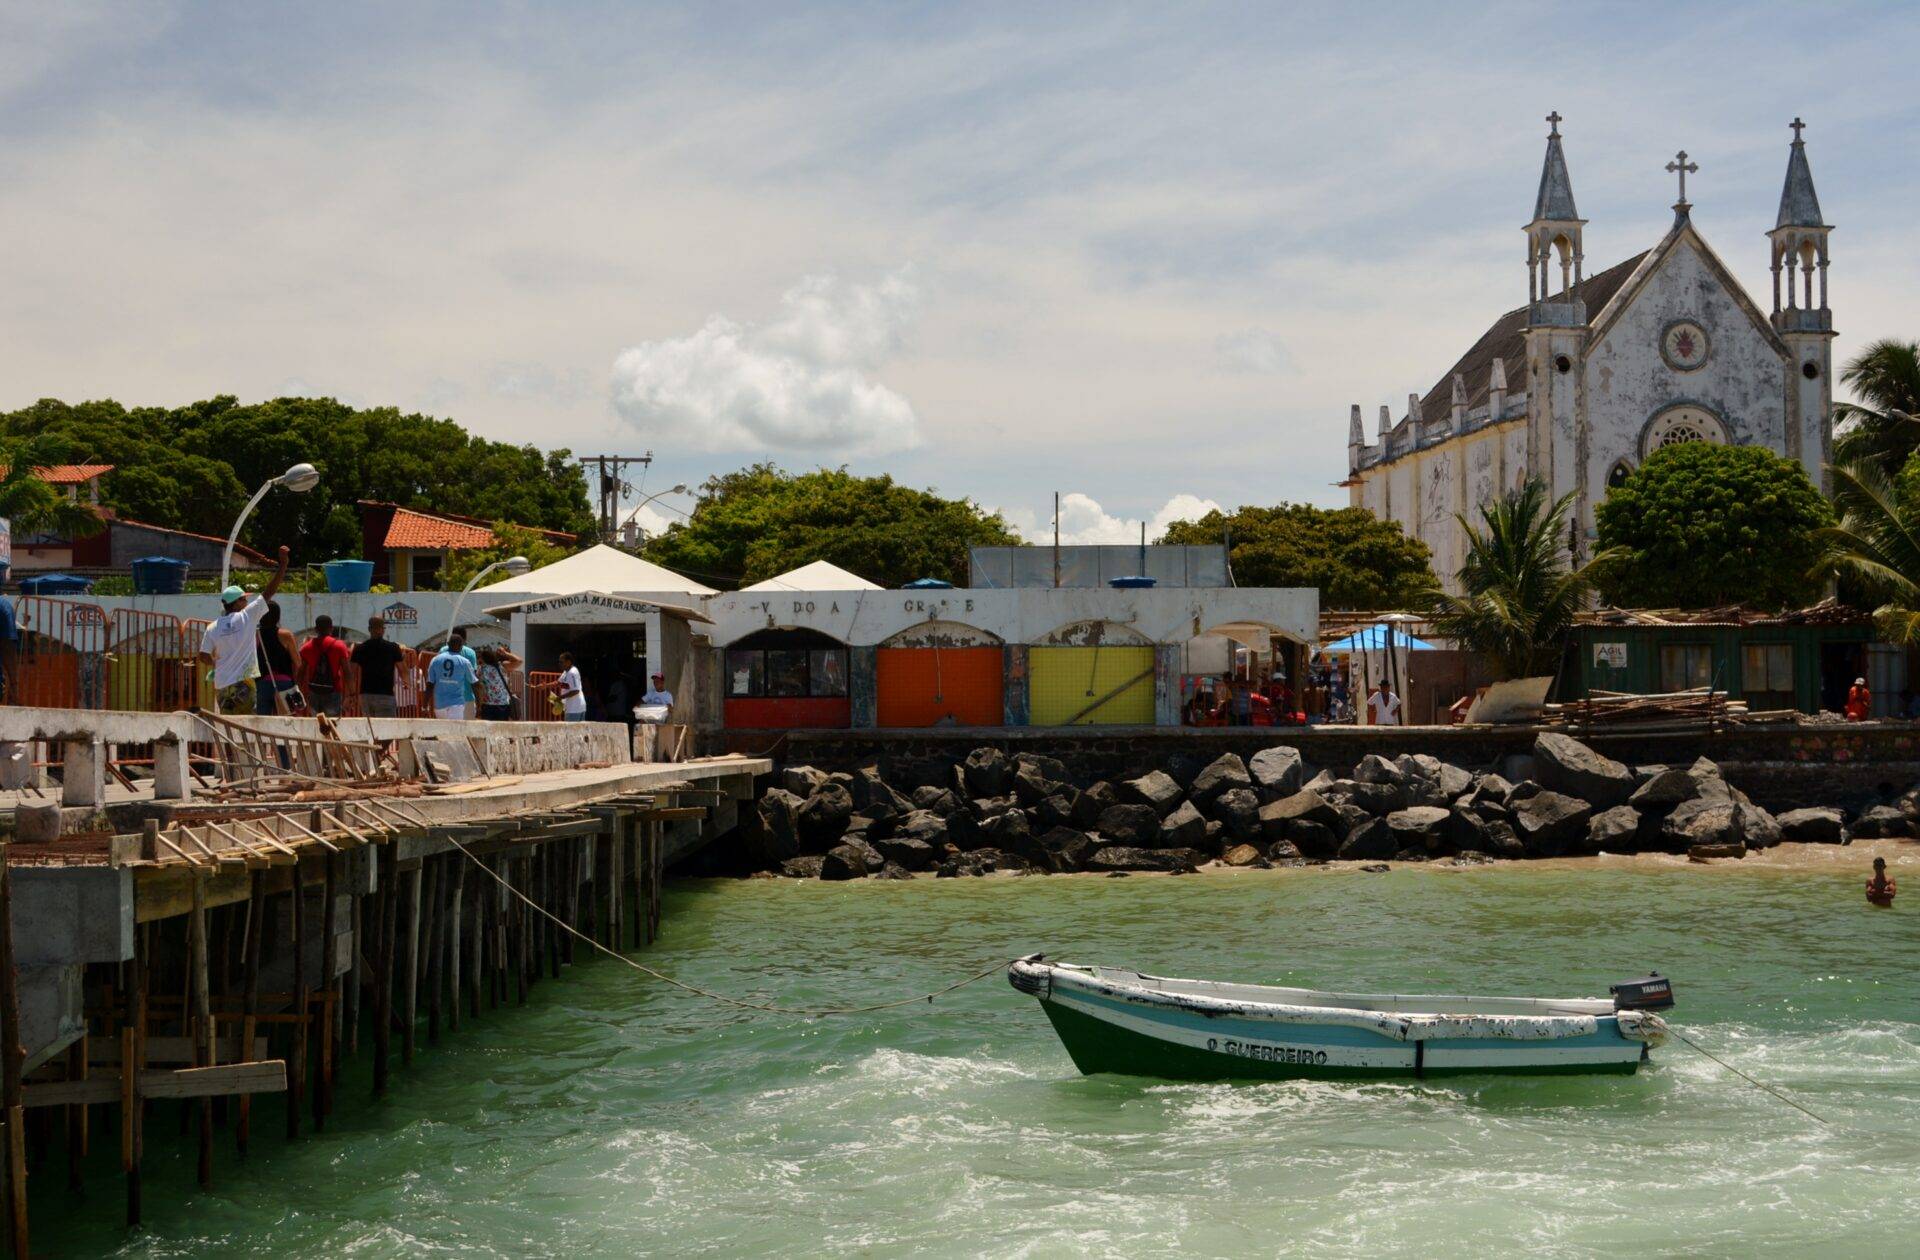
{"x": 1599, "y": 370}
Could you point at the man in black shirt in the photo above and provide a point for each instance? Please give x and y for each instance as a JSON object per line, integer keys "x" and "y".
{"x": 376, "y": 659}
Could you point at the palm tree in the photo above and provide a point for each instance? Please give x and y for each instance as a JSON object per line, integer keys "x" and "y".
{"x": 1882, "y": 425}
{"x": 1518, "y": 593}
{"x": 1877, "y": 543}
{"x": 31, "y": 505}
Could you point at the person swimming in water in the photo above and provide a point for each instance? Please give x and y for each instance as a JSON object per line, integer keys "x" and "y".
{"x": 1880, "y": 888}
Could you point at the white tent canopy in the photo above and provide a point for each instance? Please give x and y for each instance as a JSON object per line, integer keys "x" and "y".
{"x": 818, "y": 576}
{"x": 598, "y": 568}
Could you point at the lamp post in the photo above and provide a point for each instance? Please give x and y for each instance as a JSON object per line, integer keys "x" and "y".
{"x": 680, "y": 489}
{"x": 300, "y": 478}
{"x": 514, "y": 565}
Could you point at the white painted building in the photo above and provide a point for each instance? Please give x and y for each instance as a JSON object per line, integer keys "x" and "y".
{"x": 1599, "y": 370}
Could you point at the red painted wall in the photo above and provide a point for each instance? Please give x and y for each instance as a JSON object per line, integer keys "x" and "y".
{"x": 788, "y": 713}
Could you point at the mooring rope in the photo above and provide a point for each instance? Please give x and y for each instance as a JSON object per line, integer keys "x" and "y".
{"x": 1680, "y": 1036}
{"x": 811, "y": 1012}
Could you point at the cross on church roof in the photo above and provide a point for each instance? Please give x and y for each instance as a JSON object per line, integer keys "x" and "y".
{"x": 1798, "y": 127}
{"x": 1684, "y": 167}
{"x": 1553, "y": 124}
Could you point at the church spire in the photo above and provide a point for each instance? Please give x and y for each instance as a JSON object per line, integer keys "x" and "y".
{"x": 1553, "y": 237}
{"x": 1799, "y": 206}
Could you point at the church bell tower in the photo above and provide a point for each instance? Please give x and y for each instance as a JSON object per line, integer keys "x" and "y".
{"x": 1804, "y": 322}
{"x": 1556, "y": 333}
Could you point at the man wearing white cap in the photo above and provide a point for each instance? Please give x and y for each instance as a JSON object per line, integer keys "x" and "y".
{"x": 1859, "y": 701}
{"x": 228, "y": 643}
{"x": 657, "y": 692}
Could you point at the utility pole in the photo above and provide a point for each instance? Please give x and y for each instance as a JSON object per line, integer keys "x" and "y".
{"x": 611, "y": 486}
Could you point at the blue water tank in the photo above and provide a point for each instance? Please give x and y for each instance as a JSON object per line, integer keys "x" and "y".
{"x": 349, "y": 577}
{"x": 1130, "y": 583}
{"x": 159, "y": 575}
{"x": 55, "y": 584}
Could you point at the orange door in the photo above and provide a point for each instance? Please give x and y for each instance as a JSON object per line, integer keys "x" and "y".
{"x": 931, "y": 686}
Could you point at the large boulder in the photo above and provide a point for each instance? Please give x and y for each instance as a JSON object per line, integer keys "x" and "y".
{"x": 1136, "y": 825}
{"x": 1615, "y": 830}
{"x": 1304, "y": 804}
{"x": 1422, "y": 827}
{"x": 907, "y": 851}
{"x": 1818, "y": 825}
{"x": 1057, "y": 810}
{"x": 1285, "y": 853}
{"x": 1760, "y": 829}
{"x": 1223, "y": 774}
{"x": 1093, "y": 802}
{"x": 1155, "y": 788}
{"x": 876, "y": 798}
{"x": 1882, "y": 821}
{"x": 1277, "y": 771}
{"x": 1011, "y": 832}
{"x": 1702, "y": 821}
{"x": 941, "y": 801}
{"x": 802, "y": 780}
{"x": 964, "y": 831}
{"x": 822, "y": 817}
{"x": 1449, "y": 781}
{"x": 774, "y": 834}
{"x": 1491, "y": 791}
{"x": 1031, "y": 784}
{"x": 1551, "y": 823}
{"x": 1467, "y": 830}
{"x": 1347, "y": 817}
{"x": 1309, "y": 838}
{"x": 986, "y": 772}
{"x": 1374, "y": 768}
{"x": 1238, "y": 811}
{"x": 1379, "y": 799}
{"x": 1373, "y": 841}
{"x": 851, "y": 859}
{"x": 806, "y": 866}
{"x": 1665, "y": 789}
{"x": 1565, "y": 765}
{"x": 1242, "y": 855}
{"x": 1120, "y": 857}
{"x": 1051, "y": 768}
{"x": 1065, "y": 848}
{"x": 1184, "y": 828}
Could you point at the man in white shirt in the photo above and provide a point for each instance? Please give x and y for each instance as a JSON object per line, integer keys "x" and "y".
{"x": 1383, "y": 707}
{"x": 227, "y": 644}
{"x": 658, "y": 693}
{"x": 573, "y": 695}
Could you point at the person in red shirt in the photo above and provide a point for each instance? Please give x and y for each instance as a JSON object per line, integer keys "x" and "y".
{"x": 323, "y": 668}
{"x": 1859, "y": 701}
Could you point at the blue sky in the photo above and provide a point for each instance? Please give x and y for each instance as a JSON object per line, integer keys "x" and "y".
{"x": 1146, "y": 255}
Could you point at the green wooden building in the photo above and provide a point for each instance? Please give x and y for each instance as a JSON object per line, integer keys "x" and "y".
{"x": 1801, "y": 660}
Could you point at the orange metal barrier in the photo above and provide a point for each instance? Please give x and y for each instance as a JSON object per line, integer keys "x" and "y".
{"x": 542, "y": 689}
{"x": 62, "y": 656}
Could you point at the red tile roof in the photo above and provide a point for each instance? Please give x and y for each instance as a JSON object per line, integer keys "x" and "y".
{"x": 417, "y": 531}
{"x": 69, "y": 474}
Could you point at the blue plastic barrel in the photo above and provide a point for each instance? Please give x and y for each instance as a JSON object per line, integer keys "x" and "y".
{"x": 56, "y": 584}
{"x": 349, "y": 577}
{"x": 159, "y": 575}
{"x": 1130, "y": 583}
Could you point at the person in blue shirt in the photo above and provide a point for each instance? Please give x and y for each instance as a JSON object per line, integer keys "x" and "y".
{"x": 9, "y": 642}
{"x": 451, "y": 676}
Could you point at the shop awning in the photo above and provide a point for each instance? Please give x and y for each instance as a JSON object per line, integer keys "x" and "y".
{"x": 1373, "y": 638}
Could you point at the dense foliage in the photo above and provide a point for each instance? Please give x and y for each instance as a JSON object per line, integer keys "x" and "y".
{"x": 1701, "y": 525}
{"x": 1355, "y": 559}
{"x": 31, "y": 505}
{"x": 1518, "y": 594}
{"x": 1875, "y": 547}
{"x": 760, "y": 522}
{"x": 1881, "y": 426}
{"x": 193, "y": 467}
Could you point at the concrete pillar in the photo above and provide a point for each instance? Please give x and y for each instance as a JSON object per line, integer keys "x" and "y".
{"x": 84, "y": 780}
{"x": 16, "y": 766}
{"x": 171, "y": 781}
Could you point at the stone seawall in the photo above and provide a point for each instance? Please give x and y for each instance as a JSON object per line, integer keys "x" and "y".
{"x": 1780, "y": 767}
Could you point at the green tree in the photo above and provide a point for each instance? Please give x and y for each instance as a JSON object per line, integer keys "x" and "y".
{"x": 508, "y": 540}
{"x": 761, "y": 521}
{"x": 1882, "y": 424}
{"x": 193, "y": 467}
{"x": 31, "y": 505}
{"x": 1355, "y": 559}
{"x": 1876, "y": 544}
{"x": 1700, "y": 525}
{"x": 1518, "y": 593}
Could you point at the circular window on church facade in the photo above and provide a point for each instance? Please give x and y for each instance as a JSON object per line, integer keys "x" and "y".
{"x": 1688, "y": 422}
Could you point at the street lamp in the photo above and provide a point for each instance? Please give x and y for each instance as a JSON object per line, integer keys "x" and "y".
{"x": 300, "y": 478}
{"x": 514, "y": 565}
{"x": 680, "y": 489}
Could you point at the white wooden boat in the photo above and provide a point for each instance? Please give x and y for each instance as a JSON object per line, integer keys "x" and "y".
{"x": 1113, "y": 1020}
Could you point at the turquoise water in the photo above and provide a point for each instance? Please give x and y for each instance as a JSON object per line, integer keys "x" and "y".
{"x": 617, "y": 1117}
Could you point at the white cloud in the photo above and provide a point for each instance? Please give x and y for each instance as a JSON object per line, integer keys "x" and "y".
{"x": 1083, "y": 520}
{"x": 1252, "y": 350}
{"x": 798, "y": 381}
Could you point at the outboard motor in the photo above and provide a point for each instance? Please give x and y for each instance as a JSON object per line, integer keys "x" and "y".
{"x": 1648, "y": 993}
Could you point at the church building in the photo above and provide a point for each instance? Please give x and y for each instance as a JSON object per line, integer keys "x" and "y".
{"x": 1600, "y": 369}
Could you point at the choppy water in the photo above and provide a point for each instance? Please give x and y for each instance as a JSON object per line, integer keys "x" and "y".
{"x": 615, "y": 1117}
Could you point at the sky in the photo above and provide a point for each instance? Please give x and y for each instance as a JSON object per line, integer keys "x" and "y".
{"x": 1145, "y": 256}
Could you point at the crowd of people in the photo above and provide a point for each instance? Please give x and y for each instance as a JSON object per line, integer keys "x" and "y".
{"x": 1240, "y": 698}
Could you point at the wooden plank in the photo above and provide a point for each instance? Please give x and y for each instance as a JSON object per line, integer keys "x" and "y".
{"x": 673, "y": 813}
{"x": 263, "y": 1076}
{"x": 172, "y": 1050}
